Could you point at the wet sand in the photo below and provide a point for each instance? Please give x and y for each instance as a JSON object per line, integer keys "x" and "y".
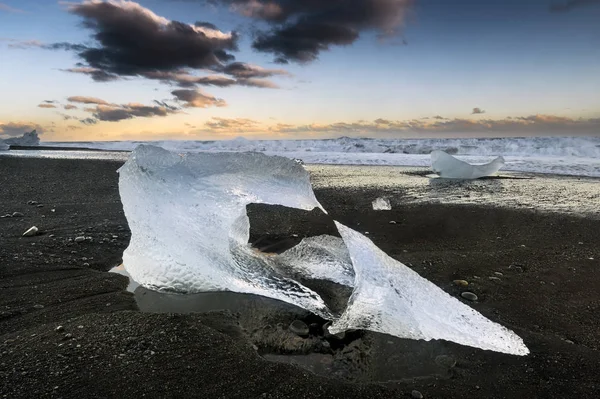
{"x": 69, "y": 329}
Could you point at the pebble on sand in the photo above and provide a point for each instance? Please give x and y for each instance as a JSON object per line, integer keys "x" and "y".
{"x": 79, "y": 239}
{"x": 416, "y": 394}
{"x": 299, "y": 327}
{"x": 461, "y": 283}
{"x": 31, "y": 232}
{"x": 17, "y": 215}
{"x": 469, "y": 295}
{"x": 445, "y": 361}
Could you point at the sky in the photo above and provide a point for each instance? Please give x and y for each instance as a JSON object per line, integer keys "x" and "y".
{"x": 296, "y": 69}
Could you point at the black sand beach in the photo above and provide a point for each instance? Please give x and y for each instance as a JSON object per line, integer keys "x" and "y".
{"x": 69, "y": 329}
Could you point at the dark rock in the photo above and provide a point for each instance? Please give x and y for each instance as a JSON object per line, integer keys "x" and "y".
{"x": 469, "y": 295}
{"x": 300, "y": 328}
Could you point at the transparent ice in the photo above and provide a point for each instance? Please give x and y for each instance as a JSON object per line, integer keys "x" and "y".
{"x": 190, "y": 231}
{"x": 391, "y": 298}
{"x": 449, "y": 167}
{"x": 382, "y": 204}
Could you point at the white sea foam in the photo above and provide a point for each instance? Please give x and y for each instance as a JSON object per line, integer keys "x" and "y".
{"x": 558, "y": 155}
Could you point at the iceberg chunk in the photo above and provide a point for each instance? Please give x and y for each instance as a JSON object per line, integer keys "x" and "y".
{"x": 190, "y": 232}
{"x": 189, "y": 228}
{"x": 391, "y": 298}
{"x": 382, "y": 204}
{"x": 323, "y": 257}
{"x": 3, "y": 146}
{"x": 28, "y": 139}
{"x": 449, "y": 167}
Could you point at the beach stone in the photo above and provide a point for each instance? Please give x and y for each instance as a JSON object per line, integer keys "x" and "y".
{"x": 469, "y": 295}
{"x": 494, "y": 278}
{"x": 299, "y": 327}
{"x": 31, "y": 232}
{"x": 416, "y": 394}
{"x": 445, "y": 361}
{"x": 17, "y": 215}
{"x": 499, "y": 273}
{"x": 461, "y": 283}
{"x": 59, "y": 329}
{"x": 392, "y": 222}
{"x": 79, "y": 239}
{"x": 40, "y": 206}
{"x": 38, "y": 306}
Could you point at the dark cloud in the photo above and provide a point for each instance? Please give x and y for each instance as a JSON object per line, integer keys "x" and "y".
{"x": 165, "y": 105}
{"x": 186, "y": 80}
{"x": 197, "y": 99}
{"x": 133, "y": 40}
{"x": 96, "y": 74}
{"x": 15, "y": 129}
{"x": 105, "y": 111}
{"x": 571, "y": 4}
{"x": 301, "y": 29}
{"x": 49, "y": 101}
{"x": 477, "y": 110}
{"x": 114, "y": 113}
{"x": 438, "y": 117}
{"x": 246, "y": 71}
{"x": 70, "y": 106}
{"x": 88, "y": 121}
{"x": 44, "y": 105}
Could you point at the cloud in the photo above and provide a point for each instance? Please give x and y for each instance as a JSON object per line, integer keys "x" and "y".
{"x": 571, "y": 4}
{"x": 7, "y": 8}
{"x": 96, "y": 74}
{"x": 477, "y": 110}
{"x": 438, "y": 117}
{"x": 130, "y": 40}
{"x": 105, "y": 111}
{"x": 231, "y": 125}
{"x": 247, "y": 71}
{"x": 115, "y": 113}
{"x": 133, "y": 40}
{"x": 88, "y": 121}
{"x": 197, "y": 99}
{"x": 243, "y": 74}
{"x": 87, "y": 100}
{"x": 14, "y": 129}
{"x": 44, "y": 105}
{"x": 23, "y": 44}
{"x": 70, "y": 106}
{"x": 528, "y": 125}
{"x": 301, "y": 29}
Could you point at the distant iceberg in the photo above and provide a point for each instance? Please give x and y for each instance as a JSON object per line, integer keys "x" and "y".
{"x": 26, "y": 140}
{"x": 3, "y": 146}
{"x": 190, "y": 232}
{"x": 449, "y": 167}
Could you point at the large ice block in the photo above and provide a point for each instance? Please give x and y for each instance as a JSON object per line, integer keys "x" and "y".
{"x": 190, "y": 231}
{"x": 189, "y": 228}
{"x": 449, "y": 167}
{"x": 391, "y": 298}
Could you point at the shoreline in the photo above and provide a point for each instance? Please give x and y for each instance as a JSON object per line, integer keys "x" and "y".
{"x": 547, "y": 293}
